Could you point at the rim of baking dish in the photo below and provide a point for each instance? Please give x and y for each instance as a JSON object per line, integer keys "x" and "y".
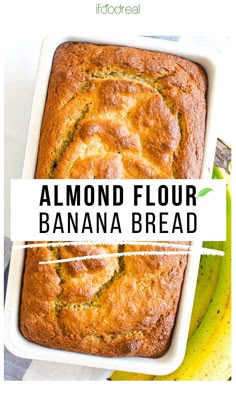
{"x": 173, "y": 357}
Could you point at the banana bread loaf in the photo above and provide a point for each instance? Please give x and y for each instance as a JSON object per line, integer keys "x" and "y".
{"x": 113, "y": 112}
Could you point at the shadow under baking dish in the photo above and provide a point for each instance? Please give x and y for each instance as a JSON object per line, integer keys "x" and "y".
{"x": 171, "y": 360}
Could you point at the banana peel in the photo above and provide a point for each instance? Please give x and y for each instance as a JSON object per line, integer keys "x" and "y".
{"x": 208, "y": 353}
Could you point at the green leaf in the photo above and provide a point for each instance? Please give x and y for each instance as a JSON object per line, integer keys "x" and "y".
{"x": 204, "y": 191}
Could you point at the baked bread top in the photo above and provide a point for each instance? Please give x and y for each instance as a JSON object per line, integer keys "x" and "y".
{"x": 119, "y": 112}
{"x": 113, "y": 112}
{"x": 113, "y": 307}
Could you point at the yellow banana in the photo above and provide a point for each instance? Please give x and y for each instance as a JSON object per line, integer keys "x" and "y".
{"x": 208, "y": 350}
{"x": 206, "y": 285}
{"x": 130, "y": 376}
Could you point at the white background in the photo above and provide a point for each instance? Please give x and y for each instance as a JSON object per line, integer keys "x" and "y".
{"x": 25, "y": 25}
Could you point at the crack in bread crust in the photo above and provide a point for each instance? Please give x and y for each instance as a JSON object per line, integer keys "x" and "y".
{"x": 95, "y": 300}
{"x": 113, "y": 112}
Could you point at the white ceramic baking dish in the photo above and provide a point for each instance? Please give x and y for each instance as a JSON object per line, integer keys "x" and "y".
{"x": 15, "y": 342}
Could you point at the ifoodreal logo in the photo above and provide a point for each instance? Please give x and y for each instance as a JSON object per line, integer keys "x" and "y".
{"x": 118, "y": 9}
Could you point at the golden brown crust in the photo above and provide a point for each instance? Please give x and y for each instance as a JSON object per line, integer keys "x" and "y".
{"x": 108, "y": 306}
{"x": 118, "y": 112}
{"x": 113, "y": 112}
